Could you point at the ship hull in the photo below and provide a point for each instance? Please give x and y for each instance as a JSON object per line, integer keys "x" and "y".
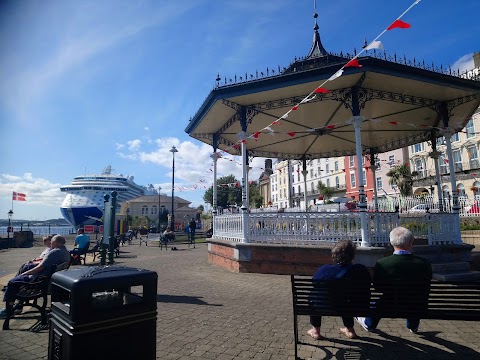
{"x": 80, "y": 216}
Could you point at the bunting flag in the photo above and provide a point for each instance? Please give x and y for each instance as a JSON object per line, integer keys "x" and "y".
{"x": 399, "y": 24}
{"x": 295, "y": 108}
{"x": 321, "y": 90}
{"x": 291, "y": 134}
{"x": 19, "y": 196}
{"x": 353, "y": 63}
{"x": 375, "y": 44}
{"x": 336, "y": 75}
{"x": 255, "y": 135}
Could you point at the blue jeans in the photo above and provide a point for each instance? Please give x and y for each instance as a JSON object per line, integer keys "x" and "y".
{"x": 372, "y": 323}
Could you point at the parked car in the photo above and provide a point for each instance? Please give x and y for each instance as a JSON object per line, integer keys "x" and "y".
{"x": 422, "y": 208}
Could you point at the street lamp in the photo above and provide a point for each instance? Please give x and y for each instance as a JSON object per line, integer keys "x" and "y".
{"x": 159, "y": 189}
{"x": 173, "y": 150}
{"x": 10, "y": 214}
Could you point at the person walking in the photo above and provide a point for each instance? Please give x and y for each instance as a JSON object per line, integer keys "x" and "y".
{"x": 192, "y": 225}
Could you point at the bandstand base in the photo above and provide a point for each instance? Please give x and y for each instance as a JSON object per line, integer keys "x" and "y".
{"x": 305, "y": 260}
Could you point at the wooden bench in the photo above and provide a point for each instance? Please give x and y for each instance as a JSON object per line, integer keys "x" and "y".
{"x": 443, "y": 301}
{"x": 30, "y": 292}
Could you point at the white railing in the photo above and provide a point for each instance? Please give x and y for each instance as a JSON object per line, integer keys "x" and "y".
{"x": 229, "y": 227}
{"x": 302, "y": 228}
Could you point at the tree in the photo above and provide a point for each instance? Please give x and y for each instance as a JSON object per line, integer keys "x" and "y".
{"x": 228, "y": 192}
{"x": 256, "y": 200}
{"x": 325, "y": 191}
{"x": 401, "y": 176}
{"x": 200, "y": 208}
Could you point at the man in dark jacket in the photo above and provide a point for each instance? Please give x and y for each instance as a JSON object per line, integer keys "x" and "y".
{"x": 192, "y": 225}
{"x": 406, "y": 270}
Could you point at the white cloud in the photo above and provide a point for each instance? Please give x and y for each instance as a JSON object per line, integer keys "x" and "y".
{"x": 134, "y": 145}
{"x": 464, "y": 64}
{"x": 146, "y": 128}
{"x": 193, "y": 163}
{"x": 119, "y": 146}
{"x": 39, "y": 191}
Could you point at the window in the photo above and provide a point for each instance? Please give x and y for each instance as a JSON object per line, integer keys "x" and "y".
{"x": 473, "y": 157}
{"x": 327, "y": 168}
{"x": 379, "y": 183}
{"x": 298, "y": 173}
{"x": 457, "y": 160}
{"x": 419, "y": 168}
{"x": 299, "y": 191}
{"x": 391, "y": 160}
{"x": 154, "y": 210}
{"x": 352, "y": 161}
{"x": 378, "y": 165}
{"x": 443, "y": 164}
{"x": 311, "y": 187}
{"x": 417, "y": 148}
{"x": 318, "y": 171}
{"x": 328, "y": 182}
{"x": 454, "y": 138}
{"x": 470, "y": 129}
{"x": 352, "y": 180}
{"x": 336, "y": 165}
{"x": 337, "y": 182}
{"x": 293, "y": 191}
{"x": 441, "y": 140}
{"x": 144, "y": 210}
{"x": 364, "y": 177}
{"x": 285, "y": 193}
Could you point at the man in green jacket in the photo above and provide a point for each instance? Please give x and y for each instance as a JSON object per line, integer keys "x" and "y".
{"x": 406, "y": 270}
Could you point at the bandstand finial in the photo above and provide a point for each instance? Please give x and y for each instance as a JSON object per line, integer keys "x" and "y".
{"x": 317, "y": 49}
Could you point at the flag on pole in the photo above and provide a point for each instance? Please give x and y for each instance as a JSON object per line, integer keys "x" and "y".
{"x": 19, "y": 197}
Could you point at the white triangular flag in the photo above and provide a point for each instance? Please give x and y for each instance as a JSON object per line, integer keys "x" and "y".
{"x": 270, "y": 129}
{"x": 375, "y": 44}
{"x": 336, "y": 75}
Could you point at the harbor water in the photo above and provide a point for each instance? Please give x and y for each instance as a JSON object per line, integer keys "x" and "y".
{"x": 39, "y": 230}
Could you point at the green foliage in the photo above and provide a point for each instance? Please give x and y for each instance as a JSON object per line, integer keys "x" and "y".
{"x": 325, "y": 191}
{"x": 469, "y": 224}
{"x": 228, "y": 195}
{"x": 401, "y": 176}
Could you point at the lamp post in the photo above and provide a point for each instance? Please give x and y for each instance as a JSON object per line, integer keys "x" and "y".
{"x": 159, "y": 189}
{"x": 173, "y": 150}
{"x": 10, "y": 214}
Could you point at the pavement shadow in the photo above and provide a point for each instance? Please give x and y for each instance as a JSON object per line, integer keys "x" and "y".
{"x": 407, "y": 348}
{"x": 183, "y": 299}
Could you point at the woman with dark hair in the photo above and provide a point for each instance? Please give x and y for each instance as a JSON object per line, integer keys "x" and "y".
{"x": 342, "y": 268}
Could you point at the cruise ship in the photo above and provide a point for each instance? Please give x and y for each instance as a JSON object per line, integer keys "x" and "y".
{"x": 83, "y": 204}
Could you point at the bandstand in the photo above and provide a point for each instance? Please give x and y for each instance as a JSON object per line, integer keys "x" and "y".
{"x": 386, "y": 103}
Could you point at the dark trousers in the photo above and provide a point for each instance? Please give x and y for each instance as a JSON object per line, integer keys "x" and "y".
{"x": 372, "y": 323}
{"x": 192, "y": 235}
{"x": 14, "y": 285}
{"x": 25, "y": 267}
{"x": 317, "y": 321}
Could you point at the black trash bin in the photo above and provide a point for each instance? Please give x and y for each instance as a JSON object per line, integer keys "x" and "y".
{"x": 103, "y": 312}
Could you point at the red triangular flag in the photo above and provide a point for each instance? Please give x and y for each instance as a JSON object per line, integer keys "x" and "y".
{"x": 353, "y": 63}
{"x": 295, "y": 107}
{"x": 399, "y": 24}
{"x": 244, "y": 142}
{"x": 321, "y": 90}
{"x": 330, "y": 127}
{"x": 292, "y": 134}
{"x": 255, "y": 135}
{"x": 393, "y": 122}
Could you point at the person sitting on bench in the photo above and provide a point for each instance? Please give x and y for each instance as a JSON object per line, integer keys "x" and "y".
{"x": 82, "y": 242}
{"x": 342, "y": 268}
{"x": 47, "y": 242}
{"x": 168, "y": 235}
{"x": 58, "y": 255}
{"x": 402, "y": 268}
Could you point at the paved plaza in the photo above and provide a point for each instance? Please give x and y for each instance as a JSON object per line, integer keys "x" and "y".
{"x": 205, "y": 312}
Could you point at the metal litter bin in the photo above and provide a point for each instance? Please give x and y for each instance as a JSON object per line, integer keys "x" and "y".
{"x": 103, "y": 312}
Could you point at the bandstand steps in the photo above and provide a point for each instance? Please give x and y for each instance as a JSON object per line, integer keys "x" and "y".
{"x": 457, "y": 276}
{"x": 450, "y": 267}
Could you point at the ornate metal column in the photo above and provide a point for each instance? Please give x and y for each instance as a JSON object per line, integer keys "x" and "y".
{"x": 435, "y": 154}
{"x": 304, "y": 173}
{"x": 373, "y": 168}
{"x": 357, "y": 123}
{"x": 215, "y": 156}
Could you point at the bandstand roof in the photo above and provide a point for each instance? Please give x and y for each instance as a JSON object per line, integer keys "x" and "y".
{"x": 399, "y": 99}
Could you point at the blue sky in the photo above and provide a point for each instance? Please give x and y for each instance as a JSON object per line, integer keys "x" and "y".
{"x": 84, "y": 84}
